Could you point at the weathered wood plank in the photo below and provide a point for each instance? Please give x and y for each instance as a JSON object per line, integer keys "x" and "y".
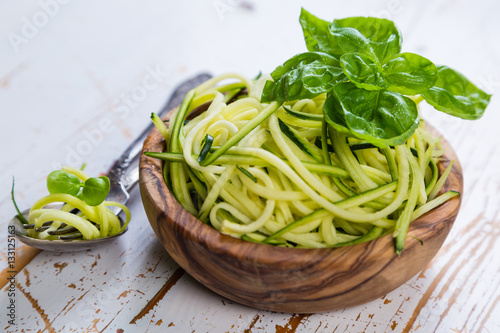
{"x": 82, "y": 68}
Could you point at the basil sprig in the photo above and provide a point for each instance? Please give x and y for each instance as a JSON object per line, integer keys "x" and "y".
{"x": 358, "y": 62}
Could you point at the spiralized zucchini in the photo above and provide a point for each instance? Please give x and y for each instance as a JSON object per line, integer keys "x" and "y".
{"x": 277, "y": 174}
{"x": 91, "y": 221}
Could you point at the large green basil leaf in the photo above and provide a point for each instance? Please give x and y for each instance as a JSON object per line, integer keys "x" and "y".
{"x": 363, "y": 71}
{"x": 381, "y": 117}
{"x": 305, "y": 75}
{"x": 406, "y": 73}
{"x": 377, "y": 37}
{"x": 457, "y": 96}
{"x": 410, "y": 74}
{"x": 317, "y": 34}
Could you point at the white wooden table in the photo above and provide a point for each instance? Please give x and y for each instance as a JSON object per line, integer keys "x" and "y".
{"x": 79, "y": 80}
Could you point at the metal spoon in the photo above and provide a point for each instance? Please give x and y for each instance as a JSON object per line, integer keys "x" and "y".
{"x": 123, "y": 176}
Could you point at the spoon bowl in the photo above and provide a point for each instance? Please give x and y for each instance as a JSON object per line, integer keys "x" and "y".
{"x": 58, "y": 245}
{"x": 291, "y": 279}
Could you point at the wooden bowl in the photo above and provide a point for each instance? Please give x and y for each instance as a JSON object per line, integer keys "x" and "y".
{"x": 287, "y": 279}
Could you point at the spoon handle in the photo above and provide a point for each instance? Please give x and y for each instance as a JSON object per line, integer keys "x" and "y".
{"x": 124, "y": 173}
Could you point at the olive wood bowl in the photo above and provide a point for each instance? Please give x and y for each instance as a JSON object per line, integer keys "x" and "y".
{"x": 289, "y": 279}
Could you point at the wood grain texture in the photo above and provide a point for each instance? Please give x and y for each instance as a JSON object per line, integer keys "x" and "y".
{"x": 291, "y": 280}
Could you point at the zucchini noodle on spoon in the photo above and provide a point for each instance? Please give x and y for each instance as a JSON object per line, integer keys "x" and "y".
{"x": 82, "y": 213}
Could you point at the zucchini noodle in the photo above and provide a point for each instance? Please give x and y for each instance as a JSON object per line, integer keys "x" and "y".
{"x": 91, "y": 221}
{"x": 277, "y": 174}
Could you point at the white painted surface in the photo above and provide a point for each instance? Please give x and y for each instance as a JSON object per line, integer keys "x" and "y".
{"x": 70, "y": 92}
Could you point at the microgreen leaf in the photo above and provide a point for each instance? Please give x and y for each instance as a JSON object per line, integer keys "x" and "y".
{"x": 305, "y": 75}
{"x": 457, "y": 96}
{"x": 381, "y": 117}
{"x": 63, "y": 182}
{"x": 95, "y": 190}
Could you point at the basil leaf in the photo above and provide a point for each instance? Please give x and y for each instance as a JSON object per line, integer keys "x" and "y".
{"x": 305, "y": 75}
{"x": 457, "y": 96}
{"x": 363, "y": 71}
{"x": 376, "y": 37}
{"x": 317, "y": 34}
{"x": 63, "y": 182}
{"x": 95, "y": 190}
{"x": 410, "y": 74}
{"x": 381, "y": 117}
